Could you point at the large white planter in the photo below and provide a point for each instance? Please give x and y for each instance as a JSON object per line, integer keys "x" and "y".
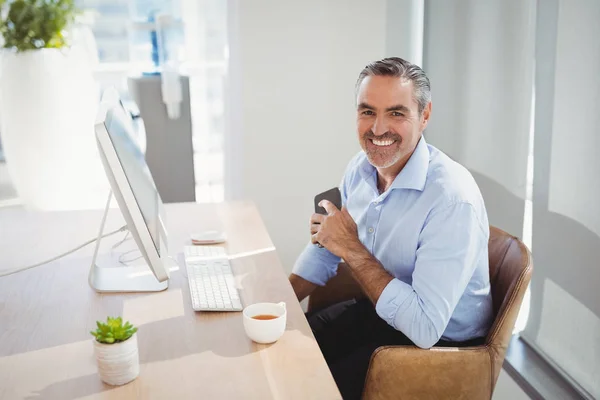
{"x": 48, "y": 103}
{"x": 118, "y": 363}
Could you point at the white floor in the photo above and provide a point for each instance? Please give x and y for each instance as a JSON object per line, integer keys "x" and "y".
{"x": 506, "y": 388}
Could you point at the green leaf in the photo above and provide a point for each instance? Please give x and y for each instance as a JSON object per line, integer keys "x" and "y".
{"x": 113, "y": 331}
{"x": 34, "y": 24}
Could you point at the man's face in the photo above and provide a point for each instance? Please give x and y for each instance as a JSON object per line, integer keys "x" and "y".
{"x": 388, "y": 120}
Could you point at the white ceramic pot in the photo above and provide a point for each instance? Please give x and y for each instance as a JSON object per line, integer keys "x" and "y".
{"x": 118, "y": 363}
{"x": 48, "y": 103}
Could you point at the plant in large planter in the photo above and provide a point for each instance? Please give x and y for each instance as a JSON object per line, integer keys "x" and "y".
{"x": 116, "y": 350}
{"x": 48, "y": 102}
{"x": 36, "y": 24}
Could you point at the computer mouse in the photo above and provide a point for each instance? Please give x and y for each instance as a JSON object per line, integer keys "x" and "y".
{"x": 208, "y": 237}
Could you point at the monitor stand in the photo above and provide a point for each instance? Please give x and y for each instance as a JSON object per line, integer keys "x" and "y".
{"x": 113, "y": 277}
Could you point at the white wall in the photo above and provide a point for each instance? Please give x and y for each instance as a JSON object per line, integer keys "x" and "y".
{"x": 291, "y": 132}
{"x": 467, "y": 45}
{"x": 404, "y": 29}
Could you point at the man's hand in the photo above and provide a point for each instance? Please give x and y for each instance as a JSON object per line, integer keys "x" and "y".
{"x": 338, "y": 233}
{"x": 315, "y": 223}
{"x": 335, "y": 231}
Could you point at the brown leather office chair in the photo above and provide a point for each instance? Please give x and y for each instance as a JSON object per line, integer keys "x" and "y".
{"x": 408, "y": 372}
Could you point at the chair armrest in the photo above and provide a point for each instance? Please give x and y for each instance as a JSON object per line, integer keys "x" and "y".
{"x": 408, "y": 372}
{"x": 339, "y": 288}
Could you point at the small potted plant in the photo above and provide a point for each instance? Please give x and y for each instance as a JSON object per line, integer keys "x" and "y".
{"x": 116, "y": 350}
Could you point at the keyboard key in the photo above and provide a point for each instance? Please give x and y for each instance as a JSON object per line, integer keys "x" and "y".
{"x": 212, "y": 286}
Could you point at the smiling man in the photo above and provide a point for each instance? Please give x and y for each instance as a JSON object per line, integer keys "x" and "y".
{"x": 413, "y": 230}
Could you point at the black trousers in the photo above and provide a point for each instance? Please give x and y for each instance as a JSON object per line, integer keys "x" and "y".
{"x": 348, "y": 333}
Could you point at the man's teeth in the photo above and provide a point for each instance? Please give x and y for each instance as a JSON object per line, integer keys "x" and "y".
{"x": 382, "y": 142}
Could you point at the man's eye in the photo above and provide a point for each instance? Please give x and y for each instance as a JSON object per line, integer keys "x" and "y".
{"x": 397, "y": 114}
{"x": 368, "y": 112}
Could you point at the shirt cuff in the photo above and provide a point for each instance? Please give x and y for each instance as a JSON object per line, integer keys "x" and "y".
{"x": 392, "y": 297}
{"x": 316, "y": 265}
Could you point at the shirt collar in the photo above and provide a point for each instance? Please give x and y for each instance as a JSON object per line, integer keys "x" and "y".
{"x": 414, "y": 173}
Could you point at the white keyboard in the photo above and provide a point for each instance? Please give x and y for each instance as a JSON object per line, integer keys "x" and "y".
{"x": 212, "y": 286}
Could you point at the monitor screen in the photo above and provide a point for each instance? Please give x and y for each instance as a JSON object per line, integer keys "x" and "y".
{"x": 136, "y": 170}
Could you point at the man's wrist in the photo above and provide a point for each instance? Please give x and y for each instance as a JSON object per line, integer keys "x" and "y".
{"x": 356, "y": 253}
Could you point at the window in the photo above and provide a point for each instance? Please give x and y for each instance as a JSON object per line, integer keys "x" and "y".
{"x": 122, "y": 50}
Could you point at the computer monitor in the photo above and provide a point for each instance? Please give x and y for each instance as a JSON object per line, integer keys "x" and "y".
{"x": 132, "y": 185}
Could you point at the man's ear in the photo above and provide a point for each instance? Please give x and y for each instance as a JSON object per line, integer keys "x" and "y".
{"x": 425, "y": 116}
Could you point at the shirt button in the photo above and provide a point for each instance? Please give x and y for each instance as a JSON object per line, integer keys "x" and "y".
{"x": 371, "y": 230}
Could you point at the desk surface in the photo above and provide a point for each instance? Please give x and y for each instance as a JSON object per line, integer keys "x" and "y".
{"x": 46, "y": 314}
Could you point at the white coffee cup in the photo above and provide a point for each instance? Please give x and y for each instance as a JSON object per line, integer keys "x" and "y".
{"x": 265, "y": 330}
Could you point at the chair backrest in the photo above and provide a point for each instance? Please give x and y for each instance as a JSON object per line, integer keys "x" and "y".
{"x": 510, "y": 273}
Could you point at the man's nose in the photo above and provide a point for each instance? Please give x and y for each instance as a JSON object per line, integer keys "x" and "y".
{"x": 380, "y": 126}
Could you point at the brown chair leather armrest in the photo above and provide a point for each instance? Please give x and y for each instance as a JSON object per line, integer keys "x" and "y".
{"x": 408, "y": 372}
{"x": 339, "y": 288}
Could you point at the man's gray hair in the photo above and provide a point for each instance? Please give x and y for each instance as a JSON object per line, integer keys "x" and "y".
{"x": 399, "y": 68}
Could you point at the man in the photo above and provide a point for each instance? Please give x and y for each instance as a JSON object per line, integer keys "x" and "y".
{"x": 413, "y": 230}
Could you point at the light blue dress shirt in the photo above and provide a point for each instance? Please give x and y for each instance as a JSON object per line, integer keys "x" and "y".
{"x": 430, "y": 232}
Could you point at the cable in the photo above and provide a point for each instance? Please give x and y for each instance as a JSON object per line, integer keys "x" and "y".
{"x": 120, "y": 259}
{"x": 120, "y": 242}
{"x": 14, "y": 271}
{"x": 126, "y": 262}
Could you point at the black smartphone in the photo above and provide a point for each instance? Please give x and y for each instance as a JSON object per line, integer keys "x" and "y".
{"x": 333, "y": 195}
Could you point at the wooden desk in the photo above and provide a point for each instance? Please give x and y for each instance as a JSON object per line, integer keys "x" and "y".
{"x": 46, "y": 314}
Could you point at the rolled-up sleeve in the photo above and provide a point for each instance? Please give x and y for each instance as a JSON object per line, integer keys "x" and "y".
{"x": 450, "y": 246}
{"x": 316, "y": 265}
